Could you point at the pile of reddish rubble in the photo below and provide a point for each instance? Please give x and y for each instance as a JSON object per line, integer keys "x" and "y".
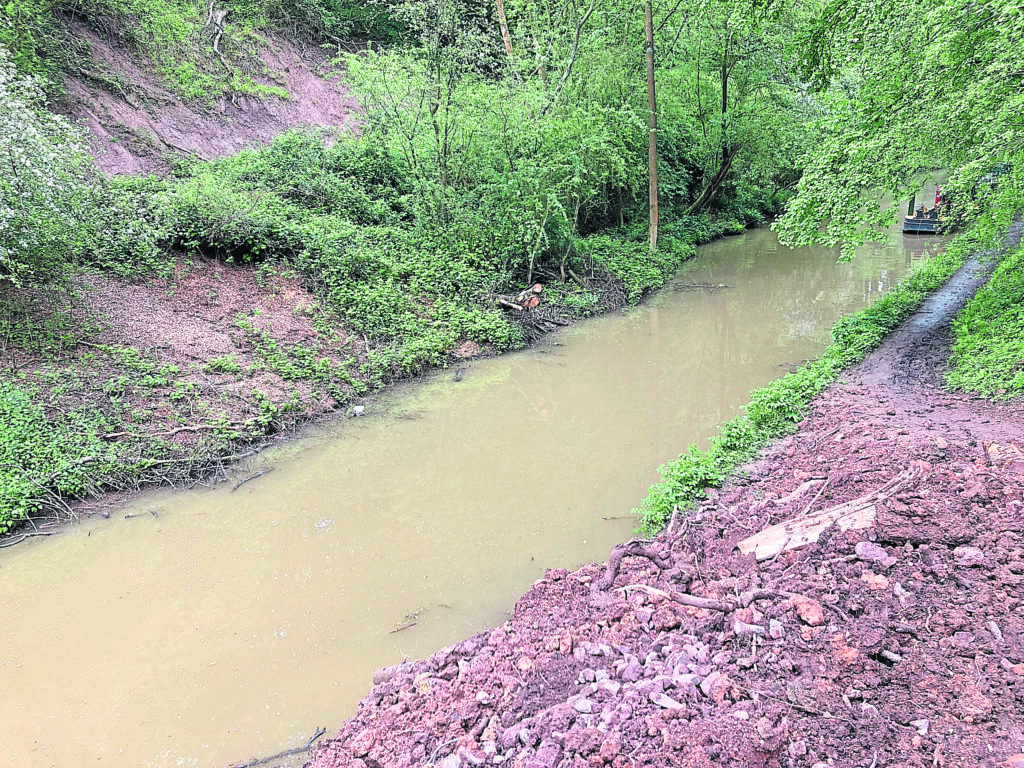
{"x": 898, "y": 644}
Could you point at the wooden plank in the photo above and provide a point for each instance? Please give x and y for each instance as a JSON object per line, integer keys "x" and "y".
{"x": 805, "y": 530}
{"x": 852, "y": 515}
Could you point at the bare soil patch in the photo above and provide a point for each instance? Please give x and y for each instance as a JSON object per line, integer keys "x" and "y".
{"x": 214, "y": 343}
{"x": 901, "y": 644}
{"x": 140, "y": 126}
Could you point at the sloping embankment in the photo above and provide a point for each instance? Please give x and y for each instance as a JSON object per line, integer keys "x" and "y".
{"x": 140, "y": 126}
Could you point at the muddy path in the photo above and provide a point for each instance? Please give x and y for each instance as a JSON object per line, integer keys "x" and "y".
{"x": 901, "y": 643}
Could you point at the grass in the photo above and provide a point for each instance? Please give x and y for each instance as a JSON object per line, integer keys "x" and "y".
{"x": 775, "y": 410}
{"x": 988, "y": 344}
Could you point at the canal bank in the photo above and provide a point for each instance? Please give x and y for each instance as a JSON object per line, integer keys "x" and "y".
{"x": 415, "y": 525}
{"x": 854, "y": 597}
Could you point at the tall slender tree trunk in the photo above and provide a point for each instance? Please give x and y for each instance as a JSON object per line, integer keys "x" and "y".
{"x": 652, "y": 124}
{"x": 503, "y": 23}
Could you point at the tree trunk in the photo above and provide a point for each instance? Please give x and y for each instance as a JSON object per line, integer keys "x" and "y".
{"x": 708, "y": 194}
{"x": 652, "y": 124}
{"x": 503, "y": 23}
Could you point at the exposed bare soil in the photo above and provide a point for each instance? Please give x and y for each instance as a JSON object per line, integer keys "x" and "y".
{"x": 140, "y": 126}
{"x": 898, "y": 645}
{"x": 189, "y": 321}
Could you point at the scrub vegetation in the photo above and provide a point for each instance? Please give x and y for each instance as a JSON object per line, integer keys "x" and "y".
{"x": 501, "y": 147}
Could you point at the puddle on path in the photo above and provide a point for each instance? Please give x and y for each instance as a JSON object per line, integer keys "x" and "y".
{"x": 231, "y": 625}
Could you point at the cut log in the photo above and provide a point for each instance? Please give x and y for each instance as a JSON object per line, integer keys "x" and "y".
{"x": 851, "y": 515}
{"x": 803, "y": 531}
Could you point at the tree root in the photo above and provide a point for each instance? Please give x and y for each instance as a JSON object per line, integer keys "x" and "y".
{"x": 634, "y": 548}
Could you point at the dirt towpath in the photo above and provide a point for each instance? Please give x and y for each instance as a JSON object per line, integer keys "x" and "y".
{"x": 898, "y": 644}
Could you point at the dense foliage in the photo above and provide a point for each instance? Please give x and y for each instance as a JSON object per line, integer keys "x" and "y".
{"x": 507, "y": 145}
{"x": 906, "y": 89}
{"x": 54, "y": 211}
{"x": 988, "y": 348}
{"x": 917, "y": 87}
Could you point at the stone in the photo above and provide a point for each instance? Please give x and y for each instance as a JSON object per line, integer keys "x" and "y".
{"x": 969, "y": 556}
{"x": 631, "y": 672}
{"x": 809, "y": 611}
{"x": 362, "y": 742}
{"x": 611, "y": 748}
{"x": 921, "y": 726}
{"x": 708, "y": 683}
{"x": 664, "y": 701}
{"x": 469, "y": 757}
{"x": 994, "y": 630}
{"x": 742, "y": 629}
{"x": 776, "y": 630}
{"x": 870, "y": 552}
{"x": 585, "y": 706}
{"x": 510, "y": 735}
{"x": 548, "y": 755}
{"x": 358, "y": 410}
{"x": 874, "y": 580}
{"x": 797, "y": 748}
{"x": 686, "y": 683}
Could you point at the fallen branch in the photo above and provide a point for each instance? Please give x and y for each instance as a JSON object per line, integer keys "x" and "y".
{"x": 242, "y": 482}
{"x": 217, "y": 19}
{"x": 58, "y": 472}
{"x": 816, "y": 497}
{"x": 286, "y": 753}
{"x": 22, "y": 536}
{"x": 811, "y": 483}
{"x": 712, "y": 287}
{"x": 708, "y": 603}
{"x": 169, "y": 432}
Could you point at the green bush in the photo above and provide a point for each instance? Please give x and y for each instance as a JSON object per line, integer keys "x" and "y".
{"x": 55, "y": 211}
{"x": 40, "y": 456}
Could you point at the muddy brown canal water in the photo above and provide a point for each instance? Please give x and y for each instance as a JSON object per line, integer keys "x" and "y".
{"x": 231, "y": 624}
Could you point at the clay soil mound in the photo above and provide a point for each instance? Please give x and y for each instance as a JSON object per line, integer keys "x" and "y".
{"x": 900, "y": 644}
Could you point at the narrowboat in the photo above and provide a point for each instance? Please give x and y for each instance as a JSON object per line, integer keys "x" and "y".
{"x": 921, "y": 219}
